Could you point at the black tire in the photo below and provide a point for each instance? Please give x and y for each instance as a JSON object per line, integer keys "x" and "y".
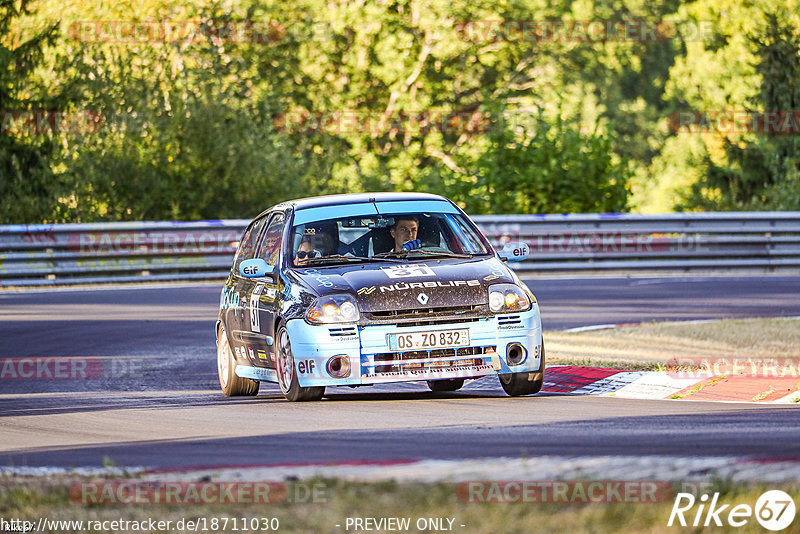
{"x": 232, "y": 385}
{"x": 528, "y": 383}
{"x": 287, "y": 373}
{"x": 448, "y": 384}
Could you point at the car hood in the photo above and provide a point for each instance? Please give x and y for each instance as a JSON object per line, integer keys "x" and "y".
{"x": 412, "y": 284}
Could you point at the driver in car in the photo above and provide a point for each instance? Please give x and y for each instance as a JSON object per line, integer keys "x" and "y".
{"x": 404, "y": 233}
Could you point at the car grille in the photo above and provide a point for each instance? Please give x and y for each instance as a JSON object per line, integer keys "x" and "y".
{"x": 426, "y": 359}
{"x": 429, "y": 316}
{"x": 508, "y": 320}
{"x": 342, "y": 332}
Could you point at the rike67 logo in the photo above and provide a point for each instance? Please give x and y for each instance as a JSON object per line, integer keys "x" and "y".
{"x": 774, "y": 510}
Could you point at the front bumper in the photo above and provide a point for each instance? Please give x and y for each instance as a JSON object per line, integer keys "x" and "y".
{"x": 372, "y": 361}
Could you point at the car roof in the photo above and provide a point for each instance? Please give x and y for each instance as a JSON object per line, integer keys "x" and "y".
{"x": 352, "y": 198}
{"x": 356, "y": 198}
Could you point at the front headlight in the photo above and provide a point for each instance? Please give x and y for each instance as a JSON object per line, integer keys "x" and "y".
{"x": 508, "y": 298}
{"x": 333, "y": 309}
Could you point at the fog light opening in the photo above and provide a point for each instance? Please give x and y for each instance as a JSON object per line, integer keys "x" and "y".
{"x": 515, "y": 354}
{"x": 339, "y": 366}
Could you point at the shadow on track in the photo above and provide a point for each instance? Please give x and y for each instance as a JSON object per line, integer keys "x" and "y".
{"x": 771, "y": 433}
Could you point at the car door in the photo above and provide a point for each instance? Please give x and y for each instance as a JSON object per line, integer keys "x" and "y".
{"x": 263, "y": 296}
{"x": 234, "y": 294}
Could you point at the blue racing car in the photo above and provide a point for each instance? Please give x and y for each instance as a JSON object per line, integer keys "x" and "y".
{"x": 354, "y": 290}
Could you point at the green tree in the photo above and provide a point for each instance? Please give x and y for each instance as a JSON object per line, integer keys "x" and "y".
{"x": 27, "y": 186}
{"x": 191, "y": 129}
{"x": 538, "y": 167}
{"x": 764, "y": 173}
{"x": 745, "y": 61}
{"x": 187, "y": 129}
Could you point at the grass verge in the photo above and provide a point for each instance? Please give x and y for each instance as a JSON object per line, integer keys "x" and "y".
{"x": 654, "y": 346}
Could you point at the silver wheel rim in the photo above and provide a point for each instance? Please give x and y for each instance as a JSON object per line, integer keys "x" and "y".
{"x": 285, "y": 362}
{"x": 223, "y": 358}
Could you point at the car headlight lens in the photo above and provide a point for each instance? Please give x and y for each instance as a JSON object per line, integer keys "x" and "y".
{"x": 333, "y": 309}
{"x": 508, "y": 298}
{"x": 496, "y": 301}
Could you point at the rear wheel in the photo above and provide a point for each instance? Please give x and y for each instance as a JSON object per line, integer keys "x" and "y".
{"x": 528, "y": 383}
{"x": 449, "y": 384}
{"x": 232, "y": 385}
{"x": 287, "y": 376}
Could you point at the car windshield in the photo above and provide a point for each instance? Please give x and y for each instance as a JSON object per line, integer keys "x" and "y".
{"x": 392, "y": 237}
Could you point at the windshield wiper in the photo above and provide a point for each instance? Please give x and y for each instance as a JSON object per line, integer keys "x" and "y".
{"x": 333, "y": 258}
{"x": 340, "y": 257}
{"x": 406, "y": 253}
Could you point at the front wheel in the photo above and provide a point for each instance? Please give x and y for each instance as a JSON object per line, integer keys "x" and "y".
{"x": 287, "y": 376}
{"x": 528, "y": 383}
{"x": 231, "y": 384}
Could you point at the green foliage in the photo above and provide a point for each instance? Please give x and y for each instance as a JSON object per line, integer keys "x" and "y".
{"x": 27, "y": 184}
{"x": 764, "y": 171}
{"x": 534, "y": 166}
{"x": 750, "y": 63}
{"x": 191, "y": 128}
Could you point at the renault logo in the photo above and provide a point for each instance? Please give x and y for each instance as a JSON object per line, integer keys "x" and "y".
{"x": 422, "y": 298}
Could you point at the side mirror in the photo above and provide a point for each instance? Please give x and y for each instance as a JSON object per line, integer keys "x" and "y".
{"x": 255, "y": 268}
{"x": 515, "y": 251}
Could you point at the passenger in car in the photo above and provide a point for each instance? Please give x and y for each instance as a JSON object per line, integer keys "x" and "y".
{"x": 324, "y": 238}
{"x": 305, "y": 251}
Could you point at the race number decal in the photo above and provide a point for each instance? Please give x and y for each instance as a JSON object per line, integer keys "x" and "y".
{"x": 407, "y": 271}
{"x": 255, "y": 322}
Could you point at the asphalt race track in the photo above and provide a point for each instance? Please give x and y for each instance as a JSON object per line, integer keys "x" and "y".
{"x": 155, "y": 400}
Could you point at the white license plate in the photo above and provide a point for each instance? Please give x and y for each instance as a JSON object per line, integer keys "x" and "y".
{"x": 435, "y": 339}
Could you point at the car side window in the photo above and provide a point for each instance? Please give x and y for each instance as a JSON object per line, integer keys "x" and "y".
{"x": 270, "y": 245}
{"x": 468, "y": 241}
{"x": 247, "y": 247}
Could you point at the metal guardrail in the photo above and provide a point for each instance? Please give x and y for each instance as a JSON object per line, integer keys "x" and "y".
{"x": 676, "y": 242}
{"x": 149, "y": 251}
